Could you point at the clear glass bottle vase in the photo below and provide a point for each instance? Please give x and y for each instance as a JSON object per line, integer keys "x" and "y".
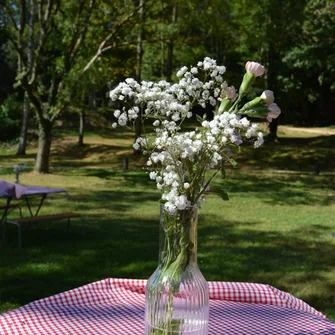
{"x": 177, "y": 292}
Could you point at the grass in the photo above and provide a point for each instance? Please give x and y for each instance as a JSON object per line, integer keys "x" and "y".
{"x": 297, "y": 149}
{"x": 276, "y": 228}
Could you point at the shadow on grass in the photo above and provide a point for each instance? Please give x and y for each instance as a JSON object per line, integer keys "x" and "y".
{"x": 319, "y": 141}
{"x": 72, "y": 151}
{"x": 282, "y": 189}
{"x": 104, "y": 132}
{"x": 299, "y": 154}
{"x": 229, "y": 253}
{"x": 54, "y": 261}
{"x": 4, "y": 158}
{"x": 122, "y": 241}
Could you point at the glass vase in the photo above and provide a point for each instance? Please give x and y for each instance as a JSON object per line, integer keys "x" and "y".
{"x": 177, "y": 292}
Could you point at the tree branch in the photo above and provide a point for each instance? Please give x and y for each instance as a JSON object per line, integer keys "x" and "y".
{"x": 102, "y": 47}
{"x": 46, "y": 27}
{"x": 22, "y": 17}
{"x": 74, "y": 34}
{"x": 48, "y": 9}
{"x": 36, "y": 101}
{"x": 77, "y": 38}
{"x": 10, "y": 14}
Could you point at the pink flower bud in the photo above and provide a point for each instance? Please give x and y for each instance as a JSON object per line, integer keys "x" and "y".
{"x": 274, "y": 112}
{"x": 268, "y": 97}
{"x": 254, "y": 68}
{"x": 229, "y": 92}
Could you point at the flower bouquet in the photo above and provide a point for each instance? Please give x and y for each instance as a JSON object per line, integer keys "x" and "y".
{"x": 183, "y": 163}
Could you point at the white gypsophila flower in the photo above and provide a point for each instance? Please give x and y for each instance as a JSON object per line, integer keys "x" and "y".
{"x": 245, "y": 122}
{"x": 182, "y": 71}
{"x": 259, "y": 141}
{"x": 153, "y": 175}
{"x": 216, "y": 92}
{"x": 252, "y": 131}
{"x": 170, "y": 208}
{"x": 181, "y": 202}
{"x": 117, "y": 113}
{"x": 205, "y": 124}
{"x": 209, "y": 63}
{"x": 205, "y": 94}
{"x": 212, "y": 101}
{"x": 123, "y": 119}
{"x": 214, "y": 73}
{"x": 221, "y": 69}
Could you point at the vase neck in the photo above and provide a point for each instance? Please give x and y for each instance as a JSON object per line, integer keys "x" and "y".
{"x": 178, "y": 237}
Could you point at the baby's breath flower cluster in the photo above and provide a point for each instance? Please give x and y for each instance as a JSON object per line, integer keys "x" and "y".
{"x": 180, "y": 160}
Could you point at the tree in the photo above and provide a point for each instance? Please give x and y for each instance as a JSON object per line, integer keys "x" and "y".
{"x": 10, "y": 106}
{"x": 265, "y": 32}
{"x": 182, "y": 33}
{"x": 139, "y": 58}
{"x": 62, "y": 53}
{"x": 311, "y": 62}
{"x": 21, "y": 150}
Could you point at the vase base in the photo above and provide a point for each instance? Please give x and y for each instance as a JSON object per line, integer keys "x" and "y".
{"x": 151, "y": 330}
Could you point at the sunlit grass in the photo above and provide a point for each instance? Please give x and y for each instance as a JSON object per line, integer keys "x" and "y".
{"x": 276, "y": 229}
{"x": 297, "y": 149}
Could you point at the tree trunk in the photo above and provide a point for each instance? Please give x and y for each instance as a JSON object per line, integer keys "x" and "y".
{"x": 139, "y": 51}
{"x": 170, "y": 45}
{"x": 81, "y": 128}
{"x": 44, "y": 145}
{"x": 139, "y": 56}
{"x": 169, "y": 61}
{"x": 21, "y": 150}
{"x": 271, "y": 83}
{"x": 273, "y": 126}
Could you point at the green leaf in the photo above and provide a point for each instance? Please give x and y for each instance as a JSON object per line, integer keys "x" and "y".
{"x": 220, "y": 192}
{"x": 199, "y": 118}
{"x": 223, "y": 172}
{"x": 232, "y": 162}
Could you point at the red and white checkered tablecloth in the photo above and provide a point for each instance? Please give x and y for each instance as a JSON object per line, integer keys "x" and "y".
{"x": 116, "y": 306}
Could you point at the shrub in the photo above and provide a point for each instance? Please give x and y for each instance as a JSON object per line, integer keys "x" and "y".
{"x": 10, "y": 115}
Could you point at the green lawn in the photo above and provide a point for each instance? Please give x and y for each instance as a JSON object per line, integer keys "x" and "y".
{"x": 276, "y": 228}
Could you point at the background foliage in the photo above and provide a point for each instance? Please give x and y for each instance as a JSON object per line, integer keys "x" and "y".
{"x": 293, "y": 39}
